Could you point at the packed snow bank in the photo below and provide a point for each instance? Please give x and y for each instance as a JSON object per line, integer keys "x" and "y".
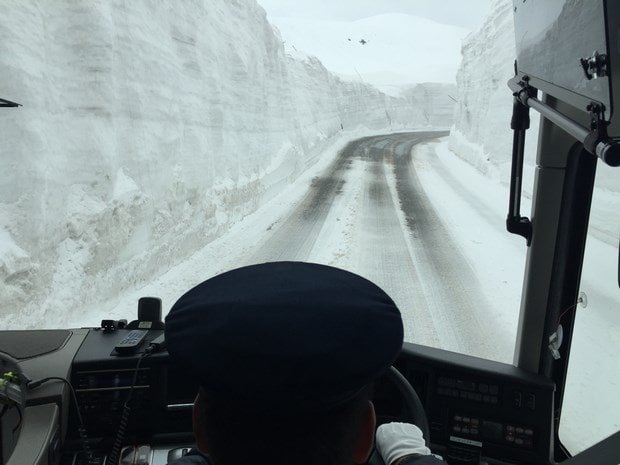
{"x": 481, "y": 134}
{"x": 146, "y": 132}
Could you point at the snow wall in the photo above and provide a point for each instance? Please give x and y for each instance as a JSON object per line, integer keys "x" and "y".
{"x": 147, "y": 130}
{"x": 481, "y": 133}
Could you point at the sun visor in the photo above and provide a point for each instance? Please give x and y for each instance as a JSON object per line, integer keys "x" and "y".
{"x": 569, "y": 49}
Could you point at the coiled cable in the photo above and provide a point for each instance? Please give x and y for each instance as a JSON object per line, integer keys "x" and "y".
{"x": 124, "y": 421}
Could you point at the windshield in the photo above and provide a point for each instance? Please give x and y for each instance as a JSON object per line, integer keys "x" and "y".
{"x": 159, "y": 145}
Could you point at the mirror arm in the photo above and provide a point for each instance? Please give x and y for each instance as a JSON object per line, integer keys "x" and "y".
{"x": 515, "y": 223}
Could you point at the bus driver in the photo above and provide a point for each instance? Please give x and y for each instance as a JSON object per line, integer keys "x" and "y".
{"x": 285, "y": 355}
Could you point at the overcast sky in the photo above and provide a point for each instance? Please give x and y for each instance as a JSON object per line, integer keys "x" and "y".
{"x": 463, "y": 13}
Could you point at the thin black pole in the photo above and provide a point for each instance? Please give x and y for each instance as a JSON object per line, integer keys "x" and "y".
{"x": 8, "y": 103}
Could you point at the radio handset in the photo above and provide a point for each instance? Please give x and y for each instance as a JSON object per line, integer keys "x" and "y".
{"x": 131, "y": 342}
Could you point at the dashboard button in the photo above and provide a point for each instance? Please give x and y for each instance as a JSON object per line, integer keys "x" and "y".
{"x": 531, "y": 401}
{"x": 517, "y": 399}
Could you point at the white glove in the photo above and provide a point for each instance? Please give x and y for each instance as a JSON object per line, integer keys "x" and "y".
{"x": 397, "y": 440}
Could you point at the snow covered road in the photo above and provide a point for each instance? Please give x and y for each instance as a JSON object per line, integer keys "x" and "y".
{"x": 369, "y": 213}
{"x": 351, "y": 217}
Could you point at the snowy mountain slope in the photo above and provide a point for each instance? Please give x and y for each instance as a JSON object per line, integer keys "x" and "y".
{"x": 388, "y": 51}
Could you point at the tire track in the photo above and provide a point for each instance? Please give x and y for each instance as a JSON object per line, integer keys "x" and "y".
{"x": 455, "y": 300}
{"x": 380, "y": 251}
{"x": 294, "y": 237}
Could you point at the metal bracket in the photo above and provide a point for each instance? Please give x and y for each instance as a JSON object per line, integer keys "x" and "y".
{"x": 597, "y": 141}
{"x": 598, "y": 127}
{"x": 595, "y": 66}
{"x": 555, "y": 342}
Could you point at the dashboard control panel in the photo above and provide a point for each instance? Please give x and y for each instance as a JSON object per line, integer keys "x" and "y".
{"x": 159, "y": 396}
{"x": 479, "y": 411}
{"x": 478, "y": 406}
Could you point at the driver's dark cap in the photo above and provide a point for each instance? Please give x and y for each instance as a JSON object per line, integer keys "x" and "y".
{"x": 285, "y": 337}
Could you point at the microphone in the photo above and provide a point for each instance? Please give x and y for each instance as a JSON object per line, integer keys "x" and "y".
{"x": 149, "y": 314}
{"x": 149, "y": 309}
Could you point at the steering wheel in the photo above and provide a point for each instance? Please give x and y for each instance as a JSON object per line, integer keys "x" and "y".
{"x": 414, "y": 411}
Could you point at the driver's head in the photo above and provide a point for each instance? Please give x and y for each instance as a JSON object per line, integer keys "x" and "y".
{"x": 285, "y": 353}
